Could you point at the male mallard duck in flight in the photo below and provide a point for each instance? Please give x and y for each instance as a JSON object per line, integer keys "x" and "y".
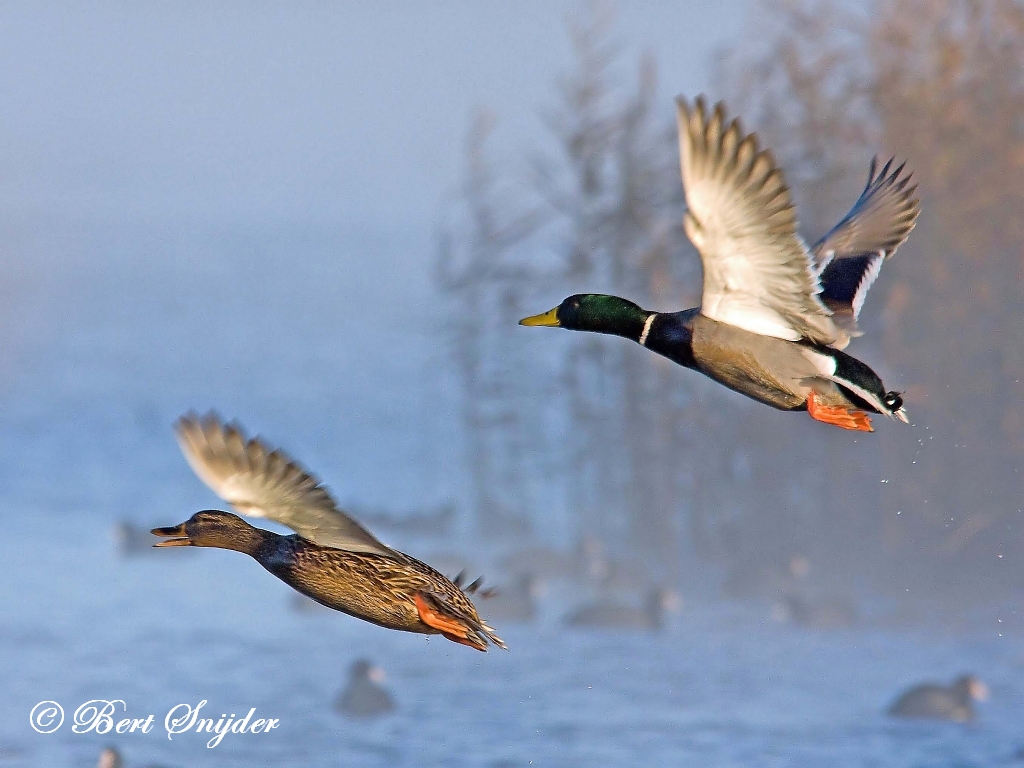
{"x": 332, "y": 558}
{"x": 775, "y": 314}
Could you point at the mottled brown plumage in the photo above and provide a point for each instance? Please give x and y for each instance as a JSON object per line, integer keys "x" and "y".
{"x": 352, "y": 572}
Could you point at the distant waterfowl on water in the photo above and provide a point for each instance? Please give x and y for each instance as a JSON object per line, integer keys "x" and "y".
{"x": 775, "y": 315}
{"x": 941, "y": 702}
{"x": 585, "y": 562}
{"x": 110, "y": 757}
{"x": 816, "y": 612}
{"x": 607, "y": 614}
{"x": 132, "y": 540}
{"x": 435, "y": 521}
{"x": 364, "y": 694}
{"x": 516, "y": 601}
{"x": 331, "y": 558}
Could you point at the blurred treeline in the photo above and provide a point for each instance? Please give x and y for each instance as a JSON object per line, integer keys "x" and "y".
{"x": 598, "y": 436}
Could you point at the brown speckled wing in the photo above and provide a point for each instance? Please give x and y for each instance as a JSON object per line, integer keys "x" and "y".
{"x": 260, "y": 482}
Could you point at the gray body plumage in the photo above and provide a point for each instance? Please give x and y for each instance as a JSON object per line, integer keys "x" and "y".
{"x": 941, "y": 702}
{"x": 363, "y": 696}
{"x": 773, "y": 371}
{"x": 516, "y": 602}
{"x": 605, "y": 614}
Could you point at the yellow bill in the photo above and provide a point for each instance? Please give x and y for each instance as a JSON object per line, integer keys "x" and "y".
{"x": 548, "y": 319}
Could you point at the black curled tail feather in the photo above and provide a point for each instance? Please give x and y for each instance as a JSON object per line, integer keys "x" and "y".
{"x": 470, "y": 589}
{"x": 862, "y": 385}
{"x": 894, "y": 400}
{"x": 483, "y": 632}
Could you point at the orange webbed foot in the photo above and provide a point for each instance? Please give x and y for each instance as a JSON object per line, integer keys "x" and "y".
{"x": 463, "y": 641}
{"x": 838, "y": 416}
{"x": 453, "y": 629}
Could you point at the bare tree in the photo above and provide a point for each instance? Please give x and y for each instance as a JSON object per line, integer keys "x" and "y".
{"x": 475, "y": 267}
{"x": 607, "y": 195}
{"x": 943, "y": 84}
{"x": 647, "y": 456}
{"x": 949, "y": 82}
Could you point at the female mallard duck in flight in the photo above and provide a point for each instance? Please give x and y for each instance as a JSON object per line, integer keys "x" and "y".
{"x": 332, "y": 558}
{"x": 774, "y": 315}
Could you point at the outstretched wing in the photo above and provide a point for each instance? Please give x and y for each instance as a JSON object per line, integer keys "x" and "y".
{"x": 758, "y": 273}
{"x": 850, "y": 256}
{"x": 260, "y": 482}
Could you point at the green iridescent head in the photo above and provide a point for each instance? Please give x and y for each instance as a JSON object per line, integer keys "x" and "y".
{"x": 595, "y": 312}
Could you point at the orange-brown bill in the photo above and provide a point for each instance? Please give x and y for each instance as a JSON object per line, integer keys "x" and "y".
{"x": 179, "y": 538}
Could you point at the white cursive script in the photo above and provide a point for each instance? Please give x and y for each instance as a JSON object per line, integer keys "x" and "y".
{"x": 101, "y": 716}
{"x": 184, "y": 718}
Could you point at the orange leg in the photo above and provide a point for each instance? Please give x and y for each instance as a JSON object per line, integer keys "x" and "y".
{"x": 838, "y": 416}
{"x": 464, "y": 641}
{"x": 453, "y": 629}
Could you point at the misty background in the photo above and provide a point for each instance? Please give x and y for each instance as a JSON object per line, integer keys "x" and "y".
{"x": 198, "y": 194}
{"x": 325, "y": 220}
{"x": 699, "y": 480}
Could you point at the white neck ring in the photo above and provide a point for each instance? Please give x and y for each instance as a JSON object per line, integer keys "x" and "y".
{"x": 647, "y": 328}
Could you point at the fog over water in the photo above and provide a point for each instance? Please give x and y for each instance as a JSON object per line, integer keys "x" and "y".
{"x": 262, "y": 171}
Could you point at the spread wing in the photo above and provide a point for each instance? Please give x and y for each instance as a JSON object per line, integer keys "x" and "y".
{"x": 850, "y": 256}
{"x": 758, "y": 273}
{"x": 260, "y": 482}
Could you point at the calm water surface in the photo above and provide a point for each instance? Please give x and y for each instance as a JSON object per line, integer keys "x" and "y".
{"x": 716, "y": 689}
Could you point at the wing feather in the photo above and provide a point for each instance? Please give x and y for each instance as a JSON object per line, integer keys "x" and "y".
{"x": 260, "y": 482}
{"x": 758, "y": 273}
{"x": 851, "y": 255}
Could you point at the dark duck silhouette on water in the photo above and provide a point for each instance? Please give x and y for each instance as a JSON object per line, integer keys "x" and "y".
{"x": 364, "y": 695}
{"x": 941, "y": 702}
{"x": 607, "y": 614}
{"x": 775, "y": 315}
{"x": 111, "y": 758}
{"x": 436, "y": 521}
{"x": 819, "y": 612}
{"x": 132, "y": 540}
{"x": 515, "y": 602}
{"x": 584, "y": 563}
{"x": 331, "y": 558}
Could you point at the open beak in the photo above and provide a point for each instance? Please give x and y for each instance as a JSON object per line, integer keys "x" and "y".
{"x": 180, "y": 537}
{"x": 548, "y": 319}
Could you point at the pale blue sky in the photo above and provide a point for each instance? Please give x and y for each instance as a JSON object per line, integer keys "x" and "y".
{"x": 233, "y": 205}
{"x": 354, "y": 110}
